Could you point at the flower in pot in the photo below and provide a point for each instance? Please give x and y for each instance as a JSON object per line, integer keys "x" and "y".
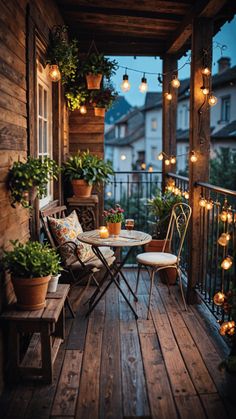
{"x": 85, "y": 170}
{"x": 160, "y": 208}
{"x": 28, "y": 180}
{"x": 31, "y": 265}
{"x": 114, "y": 217}
{"x": 103, "y": 99}
{"x": 97, "y": 66}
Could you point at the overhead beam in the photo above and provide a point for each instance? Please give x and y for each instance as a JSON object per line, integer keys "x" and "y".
{"x": 203, "y": 8}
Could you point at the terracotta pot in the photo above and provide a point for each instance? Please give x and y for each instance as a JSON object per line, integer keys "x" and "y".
{"x": 114, "y": 228}
{"x": 99, "y": 111}
{"x": 31, "y": 292}
{"x": 93, "y": 81}
{"x": 81, "y": 188}
{"x": 167, "y": 275}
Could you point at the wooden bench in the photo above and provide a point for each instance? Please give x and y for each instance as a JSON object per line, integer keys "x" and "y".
{"x": 47, "y": 330}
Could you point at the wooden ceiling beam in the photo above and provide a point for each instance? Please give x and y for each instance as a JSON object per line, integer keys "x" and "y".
{"x": 203, "y": 8}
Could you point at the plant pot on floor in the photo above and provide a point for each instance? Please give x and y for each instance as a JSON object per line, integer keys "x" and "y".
{"x": 52, "y": 285}
{"x": 99, "y": 111}
{"x": 114, "y": 228}
{"x": 93, "y": 81}
{"x": 167, "y": 275}
{"x": 81, "y": 188}
{"x": 31, "y": 292}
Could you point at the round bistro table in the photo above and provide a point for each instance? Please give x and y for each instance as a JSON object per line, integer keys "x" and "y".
{"x": 128, "y": 239}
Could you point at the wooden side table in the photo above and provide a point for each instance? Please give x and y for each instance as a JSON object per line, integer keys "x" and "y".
{"x": 87, "y": 210}
{"x": 49, "y": 325}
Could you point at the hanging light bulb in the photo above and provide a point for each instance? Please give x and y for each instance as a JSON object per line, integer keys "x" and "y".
{"x": 202, "y": 202}
{"x": 205, "y": 90}
{"x": 143, "y": 87}
{"x": 150, "y": 169}
{"x": 123, "y": 157}
{"x": 160, "y": 156}
{"x": 212, "y": 100}
{"x": 193, "y": 157}
{"x": 206, "y": 71}
{"x": 167, "y": 162}
{"x": 54, "y": 73}
{"x": 173, "y": 160}
{"x": 83, "y": 109}
{"x": 143, "y": 166}
{"x": 209, "y": 205}
{"x": 219, "y": 298}
{"x": 223, "y": 239}
{"x": 125, "y": 85}
{"x": 168, "y": 96}
{"x": 224, "y": 216}
{"x": 227, "y": 263}
{"x": 175, "y": 82}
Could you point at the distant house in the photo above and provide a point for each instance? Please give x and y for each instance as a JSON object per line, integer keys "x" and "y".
{"x": 120, "y": 107}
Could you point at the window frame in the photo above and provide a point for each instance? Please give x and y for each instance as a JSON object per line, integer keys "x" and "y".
{"x": 223, "y": 113}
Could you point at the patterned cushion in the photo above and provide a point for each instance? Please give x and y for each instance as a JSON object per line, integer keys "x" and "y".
{"x": 68, "y": 229}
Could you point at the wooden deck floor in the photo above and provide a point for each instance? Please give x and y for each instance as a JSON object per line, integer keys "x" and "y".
{"x": 111, "y": 366}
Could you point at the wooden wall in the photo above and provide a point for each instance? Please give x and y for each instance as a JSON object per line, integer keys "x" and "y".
{"x": 14, "y": 120}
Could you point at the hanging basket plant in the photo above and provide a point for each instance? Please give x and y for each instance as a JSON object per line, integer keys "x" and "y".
{"x": 28, "y": 180}
{"x": 95, "y": 67}
{"x": 62, "y": 55}
{"x": 103, "y": 99}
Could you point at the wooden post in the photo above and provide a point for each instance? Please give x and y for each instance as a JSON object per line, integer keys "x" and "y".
{"x": 169, "y": 113}
{"x": 199, "y": 140}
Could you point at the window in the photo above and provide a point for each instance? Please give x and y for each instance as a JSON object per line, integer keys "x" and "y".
{"x": 186, "y": 117}
{"x": 44, "y": 123}
{"x": 180, "y": 119}
{"x": 153, "y": 124}
{"x": 225, "y": 109}
{"x": 153, "y": 153}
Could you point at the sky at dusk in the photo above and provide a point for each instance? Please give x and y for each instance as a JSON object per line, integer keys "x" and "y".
{"x": 226, "y": 36}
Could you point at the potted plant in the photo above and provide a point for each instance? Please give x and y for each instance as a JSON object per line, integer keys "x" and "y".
{"x": 84, "y": 170}
{"x": 114, "y": 217}
{"x": 53, "y": 282}
{"x": 62, "y": 55}
{"x": 103, "y": 99}
{"x": 97, "y": 66}
{"x": 160, "y": 208}
{"x": 31, "y": 265}
{"x": 28, "y": 180}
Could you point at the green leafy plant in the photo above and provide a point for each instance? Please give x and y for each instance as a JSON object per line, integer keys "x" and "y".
{"x": 160, "y": 208}
{"x": 77, "y": 93}
{"x": 63, "y": 52}
{"x": 88, "y": 167}
{"x": 104, "y": 97}
{"x": 98, "y": 64}
{"x": 23, "y": 176}
{"x": 114, "y": 215}
{"x": 31, "y": 260}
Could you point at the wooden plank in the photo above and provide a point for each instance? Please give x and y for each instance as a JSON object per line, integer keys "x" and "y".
{"x": 213, "y": 406}
{"x": 110, "y": 375}
{"x": 11, "y": 117}
{"x": 84, "y": 128}
{"x": 88, "y": 401}
{"x": 77, "y": 336}
{"x": 12, "y": 24}
{"x": 68, "y": 386}
{"x": 11, "y": 41}
{"x": 12, "y": 104}
{"x": 12, "y": 60}
{"x": 12, "y": 137}
{"x": 84, "y": 138}
{"x": 189, "y": 407}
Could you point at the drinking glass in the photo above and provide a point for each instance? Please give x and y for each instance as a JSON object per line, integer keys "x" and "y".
{"x": 129, "y": 224}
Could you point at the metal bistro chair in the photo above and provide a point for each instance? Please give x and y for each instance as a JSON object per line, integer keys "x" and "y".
{"x": 156, "y": 261}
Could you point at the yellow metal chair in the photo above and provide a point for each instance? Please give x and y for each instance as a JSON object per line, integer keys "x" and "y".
{"x": 156, "y": 261}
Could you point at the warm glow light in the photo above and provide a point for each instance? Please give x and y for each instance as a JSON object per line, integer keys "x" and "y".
{"x": 109, "y": 193}
{"x": 103, "y": 232}
{"x": 83, "y": 109}
{"x": 209, "y": 205}
{"x": 125, "y": 85}
{"x": 167, "y": 162}
{"x": 186, "y": 195}
{"x": 175, "y": 82}
{"x": 54, "y": 73}
{"x": 212, "y": 100}
{"x": 177, "y": 191}
{"x": 160, "y": 156}
{"x": 227, "y": 327}
{"x": 143, "y": 87}
{"x": 205, "y": 90}
{"x": 123, "y": 157}
{"x": 150, "y": 169}
{"x": 168, "y": 96}
{"x": 173, "y": 160}
{"x": 193, "y": 157}
{"x": 223, "y": 239}
{"x": 143, "y": 166}
{"x": 227, "y": 263}
{"x": 223, "y": 216}
{"x": 206, "y": 71}
{"x": 229, "y": 217}
{"x": 202, "y": 202}
{"x": 219, "y": 298}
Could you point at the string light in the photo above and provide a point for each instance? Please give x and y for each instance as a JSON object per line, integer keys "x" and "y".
{"x": 123, "y": 157}
{"x": 173, "y": 160}
{"x": 175, "y": 82}
{"x": 125, "y": 85}
{"x": 167, "y": 162}
{"x": 109, "y": 193}
{"x": 150, "y": 169}
{"x": 186, "y": 195}
{"x": 168, "y": 96}
{"x": 202, "y": 202}
{"x": 206, "y": 71}
{"x": 193, "y": 157}
{"x": 160, "y": 156}
{"x": 209, "y": 205}
{"x": 224, "y": 239}
{"x": 54, "y": 73}
{"x": 227, "y": 328}
{"x": 83, "y": 109}
{"x": 227, "y": 263}
{"x": 143, "y": 87}
{"x": 143, "y": 166}
{"x": 205, "y": 90}
{"x": 219, "y": 298}
{"x": 212, "y": 100}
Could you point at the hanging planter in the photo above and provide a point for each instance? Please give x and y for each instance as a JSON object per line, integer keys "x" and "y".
{"x": 93, "y": 81}
{"x": 97, "y": 66}
{"x": 99, "y": 111}
{"x": 103, "y": 99}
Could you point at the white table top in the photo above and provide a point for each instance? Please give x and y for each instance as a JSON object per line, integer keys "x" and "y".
{"x": 125, "y": 239}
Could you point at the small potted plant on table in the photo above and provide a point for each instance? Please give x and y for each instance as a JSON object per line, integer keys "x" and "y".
{"x": 114, "y": 218}
{"x": 84, "y": 170}
{"x": 31, "y": 265}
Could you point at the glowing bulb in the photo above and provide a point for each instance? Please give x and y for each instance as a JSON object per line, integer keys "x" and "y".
{"x": 206, "y": 71}
{"x": 209, "y": 205}
{"x": 83, "y": 109}
{"x": 123, "y": 157}
{"x": 143, "y": 87}
{"x": 167, "y": 162}
{"x": 143, "y": 166}
{"x": 223, "y": 239}
{"x": 54, "y": 73}
{"x": 224, "y": 216}
{"x": 219, "y": 298}
{"x": 168, "y": 96}
{"x": 193, "y": 157}
{"x": 186, "y": 195}
{"x": 212, "y": 100}
{"x": 229, "y": 217}
{"x": 150, "y": 169}
{"x": 160, "y": 156}
{"x": 202, "y": 202}
{"x": 173, "y": 160}
{"x": 175, "y": 82}
{"x": 125, "y": 85}
{"x": 227, "y": 263}
{"x": 205, "y": 90}
{"x": 109, "y": 193}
